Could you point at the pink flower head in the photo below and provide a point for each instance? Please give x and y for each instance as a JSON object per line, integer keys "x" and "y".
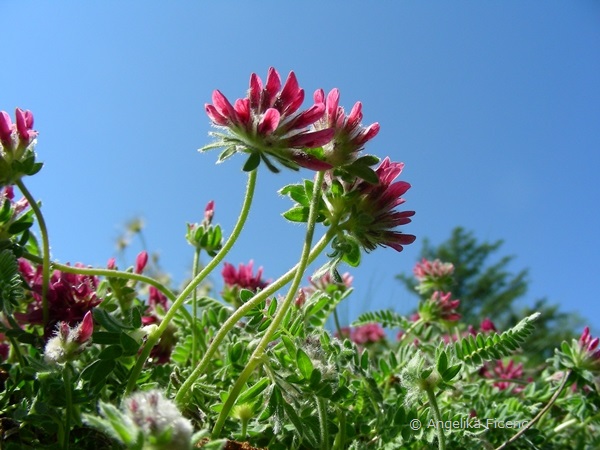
{"x": 300, "y": 298}
{"x": 70, "y": 296}
{"x": 327, "y": 284}
{"x": 140, "y": 261}
{"x": 367, "y": 334}
{"x": 67, "y": 341}
{"x": 85, "y": 328}
{"x": 111, "y": 264}
{"x": 209, "y": 212}
{"x": 501, "y": 371}
{"x": 16, "y": 135}
{"x": 432, "y": 269}
{"x": 446, "y": 306}
{"x": 267, "y": 122}
{"x": 350, "y": 136}
{"x": 487, "y": 326}
{"x": 243, "y": 276}
{"x": 589, "y": 351}
{"x": 370, "y": 208}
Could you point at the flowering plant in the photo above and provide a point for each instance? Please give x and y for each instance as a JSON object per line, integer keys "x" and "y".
{"x": 108, "y": 358}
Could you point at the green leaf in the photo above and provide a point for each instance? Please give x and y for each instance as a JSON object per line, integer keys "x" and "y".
{"x": 111, "y": 352}
{"x": 384, "y": 368}
{"x": 364, "y": 360}
{"x": 136, "y": 318}
{"x": 289, "y": 346}
{"x": 245, "y": 295}
{"x": 367, "y": 160}
{"x": 129, "y": 344}
{"x": 451, "y": 372}
{"x": 442, "y": 362}
{"x": 304, "y": 431}
{"x": 362, "y": 171}
{"x": 109, "y": 322}
{"x": 252, "y": 162}
{"x": 304, "y": 363}
{"x": 272, "y": 307}
{"x": 297, "y": 193}
{"x": 20, "y": 225}
{"x": 225, "y": 154}
{"x": 351, "y": 252}
{"x": 297, "y": 214}
{"x": 315, "y": 378}
{"x": 251, "y": 393}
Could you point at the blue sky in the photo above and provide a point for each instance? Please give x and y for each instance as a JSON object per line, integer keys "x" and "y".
{"x": 493, "y": 106}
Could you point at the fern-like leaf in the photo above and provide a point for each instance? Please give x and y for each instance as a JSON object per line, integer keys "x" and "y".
{"x": 387, "y": 319}
{"x": 475, "y": 350}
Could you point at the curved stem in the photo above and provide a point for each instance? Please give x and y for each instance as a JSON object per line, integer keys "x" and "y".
{"x": 195, "y": 308}
{"x": 45, "y": 248}
{"x": 105, "y": 273}
{"x": 410, "y": 329}
{"x": 539, "y": 415}
{"x": 155, "y": 336}
{"x": 258, "y": 353}
{"x": 438, "y": 418}
{"x": 241, "y": 312}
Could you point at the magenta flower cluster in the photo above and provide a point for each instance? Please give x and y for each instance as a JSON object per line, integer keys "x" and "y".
{"x": 267, "y": 121}
{"x": 70, "y": 297}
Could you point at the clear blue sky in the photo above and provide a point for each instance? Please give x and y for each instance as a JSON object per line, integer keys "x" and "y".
{"x": 493, "y": 106}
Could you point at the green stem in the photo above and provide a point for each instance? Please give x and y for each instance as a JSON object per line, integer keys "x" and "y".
{"x": 155, "y": 336}
{"x": 336, "y": 321}
{"x": 195, "y": 308}
{"x": 106, "y": 273}
{"x": 258, "y": 353}
{"x": 232, "y": 321}
{"x": 437, "y": 417}
{"x": 322, "y": 412}
{"x": 69, "y": 405}
{"x": 410, "y": 329}
{"x": 539, "y": 415}
{"x": 45, "y": 248}
{"x": 340, "y": 439}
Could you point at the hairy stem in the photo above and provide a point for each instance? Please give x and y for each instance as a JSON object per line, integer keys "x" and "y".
{"x": 322, "y": 412}
{"x": 258, "y": 353}
{"x": 195, "y": 308}
{"x": 45, "y": 248}
{"x": 109, "y": 273}
{"x": 437, "y": 417}
{"x": 155, "y": 336}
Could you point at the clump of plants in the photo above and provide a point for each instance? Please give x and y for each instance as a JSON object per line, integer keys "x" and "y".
{"x": 109, "y": 357}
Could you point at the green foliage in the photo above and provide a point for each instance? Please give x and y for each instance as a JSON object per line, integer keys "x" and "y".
{"x": 487, "y": 288}
{"x": 11, "y": 289}
{"x": 477, "y": 349}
